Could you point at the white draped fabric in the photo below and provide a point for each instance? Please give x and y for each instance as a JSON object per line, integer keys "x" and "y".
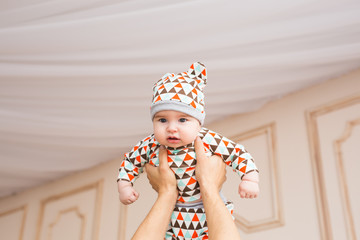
{"x": 76, "y": 76}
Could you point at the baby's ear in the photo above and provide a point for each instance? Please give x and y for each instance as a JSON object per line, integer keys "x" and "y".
{"x": 198, "y": 70}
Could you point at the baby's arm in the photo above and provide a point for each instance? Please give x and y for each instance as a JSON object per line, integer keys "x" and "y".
{"x": 127, "y": 175}
{"x": 127, "y": 193}
{"x": 244, "y": 165}
{"x": 236, "y": 157}
{"x": 131, "y": 167}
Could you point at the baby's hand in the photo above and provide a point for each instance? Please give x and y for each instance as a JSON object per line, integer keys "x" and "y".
{"x": 127, "y": 193}
{"x": 248, "y": 189}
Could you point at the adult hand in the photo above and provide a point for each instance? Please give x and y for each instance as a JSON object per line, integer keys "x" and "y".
{"x": 209, "y": 171}
{"x": 162, "y": 178}
{"x": 211, "y": 174}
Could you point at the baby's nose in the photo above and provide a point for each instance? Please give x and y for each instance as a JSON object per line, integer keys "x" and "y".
{"x": 172, "y": 127}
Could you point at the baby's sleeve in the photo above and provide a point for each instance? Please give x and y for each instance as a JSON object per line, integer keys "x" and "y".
{"x": 233, "y": 154}
{"x": 135, "y": 160}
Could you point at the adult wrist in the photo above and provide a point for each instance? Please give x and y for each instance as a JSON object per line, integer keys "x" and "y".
{"x": 170, "y": 195}
{"x": 208, "y": 190}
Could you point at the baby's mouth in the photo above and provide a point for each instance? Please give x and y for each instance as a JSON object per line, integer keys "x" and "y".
{"x": 173, "y": 139}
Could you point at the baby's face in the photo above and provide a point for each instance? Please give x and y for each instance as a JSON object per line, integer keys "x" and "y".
{"x": 175, "y": 129}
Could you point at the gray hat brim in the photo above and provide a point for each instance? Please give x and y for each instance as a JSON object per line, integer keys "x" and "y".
{"x": 176, "y": 106}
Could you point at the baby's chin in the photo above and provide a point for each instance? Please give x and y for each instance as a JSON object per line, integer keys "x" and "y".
{"x": 180, "y": 145}
{"x": 176, "y": 144}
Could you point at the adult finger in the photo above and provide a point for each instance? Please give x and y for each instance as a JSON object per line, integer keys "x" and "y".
{"x": 163, "y": 157}
{"x": 199, "y": 149}
{"x": 150, "y": 170}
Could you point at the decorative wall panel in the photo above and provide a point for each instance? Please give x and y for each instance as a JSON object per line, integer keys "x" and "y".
{"x": 334, "y": 134}
{"x": 72, "y": 215}
{"x": 12, "y": 223}
{"x": 265, "y": 211}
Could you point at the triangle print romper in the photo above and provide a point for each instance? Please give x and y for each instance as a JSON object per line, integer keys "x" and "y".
{"x": 188, "y": 220}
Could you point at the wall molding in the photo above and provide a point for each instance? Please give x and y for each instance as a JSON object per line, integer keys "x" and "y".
{"x": 316, "y": 160}
{"x": 62, "y": 212}
{"x": 24, "y": 210}
{"x": 277, "y": 219}
{"x": 349, "y": 219}
{"x": 98, "y": 186}
{"x": 123, "y": 222}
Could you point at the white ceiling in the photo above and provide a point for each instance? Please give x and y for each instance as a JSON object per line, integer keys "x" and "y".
{"x": 76, "y": 76}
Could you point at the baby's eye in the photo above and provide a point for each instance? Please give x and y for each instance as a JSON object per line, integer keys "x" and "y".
{"x": 182, "y": 119}
{"x": 162, "y": 120}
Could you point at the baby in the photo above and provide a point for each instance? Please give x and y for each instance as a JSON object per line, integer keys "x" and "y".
{"x": 177, "y": 112}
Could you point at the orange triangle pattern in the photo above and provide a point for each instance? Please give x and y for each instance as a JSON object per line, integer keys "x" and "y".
{"x": 182, "y": 161}
{"x": 191, "y": 224}
{"x": 185, "y": 87}
{"x": 176, "y": 97}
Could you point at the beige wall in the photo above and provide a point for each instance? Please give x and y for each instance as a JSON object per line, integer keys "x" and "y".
{"x": 305, "y": 145}
{"x": 306, "y": 129}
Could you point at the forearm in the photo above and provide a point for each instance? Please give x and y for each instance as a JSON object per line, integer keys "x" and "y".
{"x": 156, "y": 222}
{"x": 216, "y": 210}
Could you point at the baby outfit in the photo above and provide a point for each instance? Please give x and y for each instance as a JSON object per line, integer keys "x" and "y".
{"x": 187, "y": 221}
{"x": 183, "y": 93}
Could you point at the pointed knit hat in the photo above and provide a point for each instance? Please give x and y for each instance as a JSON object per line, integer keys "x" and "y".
{"x": 181, "y": 92}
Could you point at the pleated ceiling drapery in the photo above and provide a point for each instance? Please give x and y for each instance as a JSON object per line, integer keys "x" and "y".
{"x": 76, "y": 76}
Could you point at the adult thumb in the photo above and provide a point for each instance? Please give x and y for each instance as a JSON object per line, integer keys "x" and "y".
{"x": 163, "y": 156}
{"x": 199, "y": 149}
